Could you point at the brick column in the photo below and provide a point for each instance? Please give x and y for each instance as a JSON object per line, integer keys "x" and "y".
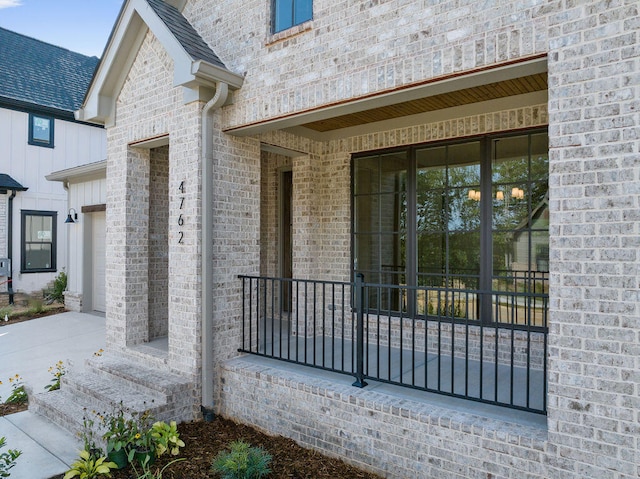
{"x": 236, "y": 237}
{"x": 127, "y": 248}
{"x": 594, "y": 351}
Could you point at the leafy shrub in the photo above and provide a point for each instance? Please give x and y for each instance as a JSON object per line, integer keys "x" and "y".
{"x": 56, "y": 294}
{"x": 7, "y": 459}
{"x": 18, "y": 394}
{"x": 242, "y": 462}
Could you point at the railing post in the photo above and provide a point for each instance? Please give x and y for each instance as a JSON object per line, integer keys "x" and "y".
{"x": 359, "y": 299}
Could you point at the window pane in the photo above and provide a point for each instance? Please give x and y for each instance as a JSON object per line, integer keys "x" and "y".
{"x": 366, "y": 175}
{"x": 540, "y": 157}
{"x": 393, "y": 172}
{"x": 367, "y": 217}
{"x": 464, "y": 213}
{"x": 464, "y": 164}
{"x": 283, "y": 15}
{"x": 41, "y": 129}
{"x": 367, "y": 253}
{"x": 39, "y": 229}
{"x": 38, "y": 256}
{"x": 432, "y": 258}
{"x": 511, "y": 207}
{"x": 464, "y": 257}
{"x": 303, "y": 11}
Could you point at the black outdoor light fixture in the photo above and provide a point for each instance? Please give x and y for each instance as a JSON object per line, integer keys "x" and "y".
{"x": 71, "y": 219}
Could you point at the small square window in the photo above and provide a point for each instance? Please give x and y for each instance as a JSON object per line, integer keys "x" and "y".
{"x": 288, "y": 13}
{"x": 40, "y": 130}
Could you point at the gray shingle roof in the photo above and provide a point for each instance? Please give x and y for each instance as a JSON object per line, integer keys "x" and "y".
{"x": 38, "y": 73}
{"x": 8, "y": 183}
{"x": 184, "y": 32}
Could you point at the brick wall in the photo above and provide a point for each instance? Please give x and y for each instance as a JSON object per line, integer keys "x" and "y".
{"x": 357, "y": 48}
{"x": 594, "y": 386}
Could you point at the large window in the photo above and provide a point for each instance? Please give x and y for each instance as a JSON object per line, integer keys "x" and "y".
{"x": 41, "y": 130}
{"x": 469, "y": 216}
{"x": 38, "y": 241}
{"x": 288, "y": 13}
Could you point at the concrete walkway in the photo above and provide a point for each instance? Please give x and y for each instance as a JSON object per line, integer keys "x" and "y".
{"x": 29, "y": 349}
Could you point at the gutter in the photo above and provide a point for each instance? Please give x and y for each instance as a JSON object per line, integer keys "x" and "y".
{"x": 10, "y": 245}
{"x": 220, "y": 97}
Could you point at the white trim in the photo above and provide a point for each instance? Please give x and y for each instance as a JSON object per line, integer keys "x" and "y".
{"x": 99, "y": 168}
{"x": 136, "y": 18}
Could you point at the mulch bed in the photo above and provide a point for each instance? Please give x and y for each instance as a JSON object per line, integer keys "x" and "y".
{"x": 203, "y": 441}
{"x": 27, "y": 316}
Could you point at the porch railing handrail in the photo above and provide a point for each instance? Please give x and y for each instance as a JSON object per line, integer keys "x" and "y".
{"x": 429, "y": 338}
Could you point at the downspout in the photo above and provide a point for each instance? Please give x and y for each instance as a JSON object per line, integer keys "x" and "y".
{"x": 220, "y": 97}
{"x": 10, "y": 245}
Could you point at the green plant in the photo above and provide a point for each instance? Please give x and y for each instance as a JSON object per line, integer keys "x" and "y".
{"x": 89, "y": 467}
{"x": 18, "y": 394}
{"x": 121, "y": 427}
{"x": 7, "y": 459}
{"x": 242, "y": 462}
{"x": 87, "y": 435}
{"x": 148, "y": 473}
{"x": 36, "y": 306}
{"x": 166, "y": 438}
{"x": 58, "y": 370}
{"x": 56, "y": 294}
{"x": 6, "y": 312}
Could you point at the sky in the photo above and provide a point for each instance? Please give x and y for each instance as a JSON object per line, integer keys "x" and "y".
{"x": 82, "y": 26}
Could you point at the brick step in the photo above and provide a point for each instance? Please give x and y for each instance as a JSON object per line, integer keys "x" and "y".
{"x": 108, "y": 383}
{"x": 60, "y": 408}
{"x": 147, "y": 380}
{"x": 104, "y": 393}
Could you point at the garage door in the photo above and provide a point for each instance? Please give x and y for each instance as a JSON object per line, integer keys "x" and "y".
{"x": 99, "y": 256}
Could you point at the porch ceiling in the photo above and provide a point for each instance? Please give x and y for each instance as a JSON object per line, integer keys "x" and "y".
{"x": 501, "y": 86}
{"x": 500, "y": 89}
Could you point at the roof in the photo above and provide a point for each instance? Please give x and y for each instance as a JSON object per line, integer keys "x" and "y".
{"x": 40, "y": 74}
{"x": 8, "y": 183}
{"x": 184, "y": 32}
{"x": 196, "y": 67}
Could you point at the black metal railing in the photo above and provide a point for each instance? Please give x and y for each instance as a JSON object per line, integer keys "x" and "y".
{"x": 485, "y": 346}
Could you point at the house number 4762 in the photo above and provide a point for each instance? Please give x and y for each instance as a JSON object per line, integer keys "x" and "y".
{"x": 181, "y": 189}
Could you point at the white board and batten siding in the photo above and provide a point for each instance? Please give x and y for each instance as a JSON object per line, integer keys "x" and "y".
{"x": 87, "y": 242}
{"x": 74, "y": 144}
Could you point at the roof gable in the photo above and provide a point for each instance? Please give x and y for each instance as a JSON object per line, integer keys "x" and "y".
{"x": 196, "y": 67}
{"x": 40, "y": 74}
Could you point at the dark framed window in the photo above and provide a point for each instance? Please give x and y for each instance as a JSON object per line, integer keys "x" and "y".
{"x": 288, "y": 13}
{"x": 38, "y": 252}
{"x": 41, "y": 130}
{"x": 421, "y": 219}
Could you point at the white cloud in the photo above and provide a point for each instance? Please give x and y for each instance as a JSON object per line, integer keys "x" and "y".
{"x": 10, "y": 3}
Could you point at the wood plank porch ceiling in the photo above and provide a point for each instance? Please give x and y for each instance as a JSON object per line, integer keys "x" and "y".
{"x": 491, "y": 91}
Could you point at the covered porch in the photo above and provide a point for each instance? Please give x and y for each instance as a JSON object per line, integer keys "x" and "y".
{"x": 345, "y": 328}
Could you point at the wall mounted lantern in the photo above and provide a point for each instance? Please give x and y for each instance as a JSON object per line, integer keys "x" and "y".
{"x": 71, "y": 219}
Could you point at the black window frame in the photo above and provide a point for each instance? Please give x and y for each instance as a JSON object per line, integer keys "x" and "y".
{"x": 291, "y": 22}
{"x": 486, "y": 229}
{"x": 37, "y": 142}
{"x": 23, "y": 240}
